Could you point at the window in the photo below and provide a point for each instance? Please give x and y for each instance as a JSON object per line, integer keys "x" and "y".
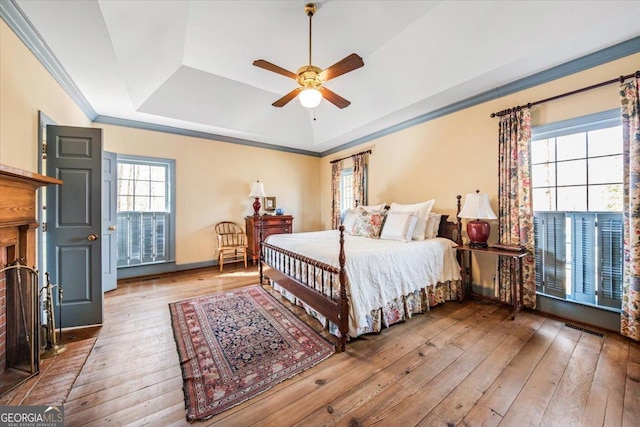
{"x": 576, "y": 170}
{"x": 347, "y": 200}
{"x": 144, "y": 210}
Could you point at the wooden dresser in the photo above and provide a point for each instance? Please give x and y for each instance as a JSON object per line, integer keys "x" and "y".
{"x": 271, "y": 224}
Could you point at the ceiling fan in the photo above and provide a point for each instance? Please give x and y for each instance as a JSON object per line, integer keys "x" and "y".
{"x": 310, "y": 78}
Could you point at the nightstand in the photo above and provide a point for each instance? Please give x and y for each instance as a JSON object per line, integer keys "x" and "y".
{"x": 516, "y": 259}
{"x": 271, "y": 224}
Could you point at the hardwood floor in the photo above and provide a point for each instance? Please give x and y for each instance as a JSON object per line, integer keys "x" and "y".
{"x": 460, "y": 364}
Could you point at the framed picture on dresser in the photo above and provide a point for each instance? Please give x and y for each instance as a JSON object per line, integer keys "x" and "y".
{"x": 269, "y": 203}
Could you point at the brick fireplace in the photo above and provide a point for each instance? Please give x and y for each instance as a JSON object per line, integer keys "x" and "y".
{"x": 19, "y": 302}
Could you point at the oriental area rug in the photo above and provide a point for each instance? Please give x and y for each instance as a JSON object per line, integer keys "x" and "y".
{"x": 235, "y": 345}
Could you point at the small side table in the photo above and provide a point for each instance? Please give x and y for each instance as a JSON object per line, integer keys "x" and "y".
{"x": 515, "y": 258}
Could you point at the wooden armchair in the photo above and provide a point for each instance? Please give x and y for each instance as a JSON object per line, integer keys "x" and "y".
{"x": 232, "y": 243}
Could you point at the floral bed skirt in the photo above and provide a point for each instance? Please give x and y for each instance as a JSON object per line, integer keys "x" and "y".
{"x": 396, "y": 311}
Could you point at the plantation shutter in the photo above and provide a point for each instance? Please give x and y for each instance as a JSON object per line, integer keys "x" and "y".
{"x": 134, "y": 255}
{"x": 610, "y": 229}
{"x": 147, "y": 236}
{"x": 160, "y": 236}
{"x": 123, "y": 240}
{"x": 142, "y": 237}
{"x": 538, "y": 233}
{"x": 550, "y": 252}
{"x": 583, "y": 251}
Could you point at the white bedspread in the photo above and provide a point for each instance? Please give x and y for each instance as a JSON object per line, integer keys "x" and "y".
{"x": 378, "y": 271}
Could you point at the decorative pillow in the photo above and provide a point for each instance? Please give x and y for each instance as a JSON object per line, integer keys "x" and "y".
{"x": 433, "y": 225}
{"x": 350, "y": 218}
{"x": 369, "y": 224}
{"x": 399, "y": 226}
{"x": 373, "y": 208}
{"x": 423, "y": 209}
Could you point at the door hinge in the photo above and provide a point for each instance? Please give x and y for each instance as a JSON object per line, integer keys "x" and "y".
{"x": 44, "y": 151}
{"x": 44, "y": 227}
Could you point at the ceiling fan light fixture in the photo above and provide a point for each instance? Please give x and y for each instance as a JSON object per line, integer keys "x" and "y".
{"x": 310, "y": 97}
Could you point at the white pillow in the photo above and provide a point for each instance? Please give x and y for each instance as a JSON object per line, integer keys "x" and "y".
{"x": 350, "y": 219}
{"x": 399, "y": 226}
{"x": 422, "y": 209}
{"x": 433, "y": 225}
{"x": 373, "y": 208}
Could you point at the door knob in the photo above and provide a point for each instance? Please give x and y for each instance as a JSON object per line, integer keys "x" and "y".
{"x": 111, "y": 228}
{"x": 92, "y": 237}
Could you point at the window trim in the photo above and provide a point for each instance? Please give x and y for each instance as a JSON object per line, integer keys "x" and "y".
{"x": 159, "y": 266}
{"x": 586, "y": 123}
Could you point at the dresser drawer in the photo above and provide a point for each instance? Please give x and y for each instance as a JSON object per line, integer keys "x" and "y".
{"x": 271, "y": 224}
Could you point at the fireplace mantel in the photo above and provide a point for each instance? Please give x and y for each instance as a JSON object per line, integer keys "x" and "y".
{"x": 17, "y": 194}
{"x": 18, "y": 209}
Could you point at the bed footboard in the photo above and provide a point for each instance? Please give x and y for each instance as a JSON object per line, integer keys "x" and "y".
{"x": 319, "y": 285}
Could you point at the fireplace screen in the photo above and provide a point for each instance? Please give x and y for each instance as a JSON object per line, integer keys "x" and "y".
{"x": 19, "y": 319}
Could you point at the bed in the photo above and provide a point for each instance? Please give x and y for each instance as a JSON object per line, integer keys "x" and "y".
{"x": 354, "y": 285}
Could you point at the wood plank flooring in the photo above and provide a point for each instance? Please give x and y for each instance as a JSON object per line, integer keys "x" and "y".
{"x": 460, "y": 364}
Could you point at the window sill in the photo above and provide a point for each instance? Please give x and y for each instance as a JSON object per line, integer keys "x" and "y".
{"x": 131, "y": 271}
{"x": 586, "y": 304}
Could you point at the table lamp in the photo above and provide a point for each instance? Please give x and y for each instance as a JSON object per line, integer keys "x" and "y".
{"x": 257, "y": 191}
{"x": 477, "y": 207}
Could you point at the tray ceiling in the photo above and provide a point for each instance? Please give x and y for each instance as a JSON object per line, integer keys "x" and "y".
{"x": 188, "y": 64}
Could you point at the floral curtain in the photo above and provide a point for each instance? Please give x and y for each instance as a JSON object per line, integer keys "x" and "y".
{"x": 336, "y": 173}
{"x": 515, "y": 217}
{"x": 630, "y": 104}
{"x": 359, "y": 171}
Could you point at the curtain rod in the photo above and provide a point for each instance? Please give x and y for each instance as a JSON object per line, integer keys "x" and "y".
{"x": 620, "y": 79}
{"x": 348, "y": 157}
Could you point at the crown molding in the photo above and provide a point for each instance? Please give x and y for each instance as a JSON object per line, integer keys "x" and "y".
{"x": 600, "y": 57}
{"x": 22, "y": 27}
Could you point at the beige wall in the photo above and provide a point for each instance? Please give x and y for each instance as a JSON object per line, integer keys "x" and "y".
{"x": 457, "y": 153}
{"x": 213, "y": 180}
{"x": 26, "y": 87}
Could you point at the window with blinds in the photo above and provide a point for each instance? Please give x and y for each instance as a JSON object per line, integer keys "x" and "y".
{"x": 576, "y": 176}
{"x": 144, "y": 211}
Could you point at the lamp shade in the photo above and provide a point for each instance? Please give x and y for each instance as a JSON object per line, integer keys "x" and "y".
{"x": 476, "y": 206}
{"x": 257, "y": 190}
{"x": 310, "y": 98}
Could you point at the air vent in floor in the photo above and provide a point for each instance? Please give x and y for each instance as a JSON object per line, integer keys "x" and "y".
{"x": 588, "y": 331}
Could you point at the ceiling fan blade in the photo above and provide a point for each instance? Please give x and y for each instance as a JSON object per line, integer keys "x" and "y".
{"x": 285, "y": 99}
{"x": 341, "y": 67}
{"x": 334, "y": 98}
{"x": 261, "y": 63}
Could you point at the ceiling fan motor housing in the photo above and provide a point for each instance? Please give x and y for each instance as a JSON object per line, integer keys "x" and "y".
{"x": 309, "y": 76}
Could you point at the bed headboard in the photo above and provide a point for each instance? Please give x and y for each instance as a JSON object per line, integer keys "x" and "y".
{"x": 451, "y": 230}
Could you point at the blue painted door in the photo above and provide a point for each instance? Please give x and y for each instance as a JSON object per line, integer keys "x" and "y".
{"x": 109, "y": 222}
{"x": 74, "y": 223}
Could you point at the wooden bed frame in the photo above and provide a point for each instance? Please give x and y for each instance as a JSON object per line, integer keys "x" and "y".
{"x": 281, "y": 265}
